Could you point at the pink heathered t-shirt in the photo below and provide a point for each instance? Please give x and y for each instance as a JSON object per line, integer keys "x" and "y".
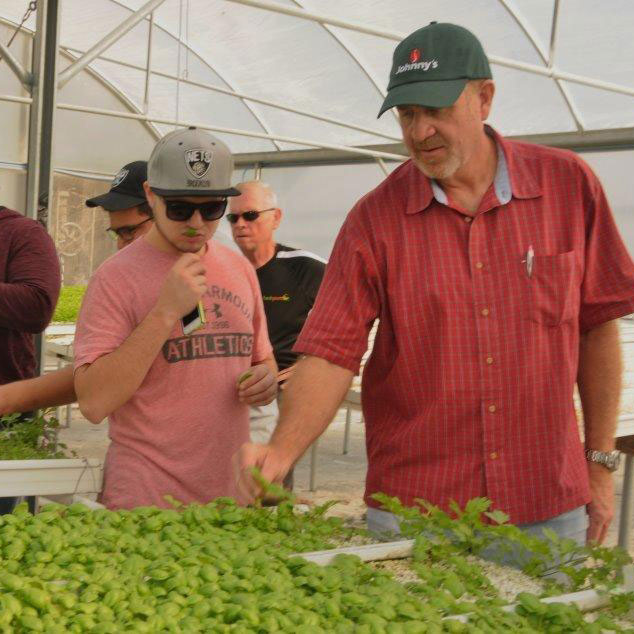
{"x": 179, "y": 431}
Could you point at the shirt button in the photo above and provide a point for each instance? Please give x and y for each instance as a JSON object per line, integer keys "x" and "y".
{"x": 468, "y": 219}
{"x": 493, "y": 455}
{"x": 489, "y": 361}
{"x": 479, "y": 265}
{"x": 492, "y": 408}
{"x": 484, "y": 312}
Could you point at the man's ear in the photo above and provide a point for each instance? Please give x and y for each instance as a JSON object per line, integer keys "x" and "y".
{"x": 277, "y": 215}
{"x": 486, "y": 92}
{"x": 149, "y": 194}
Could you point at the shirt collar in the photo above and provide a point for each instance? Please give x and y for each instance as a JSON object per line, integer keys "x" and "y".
{"x": 513, "y": 178}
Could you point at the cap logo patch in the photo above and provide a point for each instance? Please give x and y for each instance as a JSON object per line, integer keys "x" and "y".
{"x": 414, "y": 55}
{"x": 198, "y": 162}
{"x": 119, "y": 178}
{"x": 425, "y": 65}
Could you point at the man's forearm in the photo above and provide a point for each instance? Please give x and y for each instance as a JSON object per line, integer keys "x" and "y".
{"x": 599, "y": 380}
{"x": 109, "y": 382}
{"x": 311, "y": 399}
{"x": 48, "y": 390}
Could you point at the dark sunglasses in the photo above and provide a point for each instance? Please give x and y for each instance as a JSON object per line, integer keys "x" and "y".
{"x": 179, "y": 210}
{"x": 249, "y": 216}
{"x": 127, "y": 232}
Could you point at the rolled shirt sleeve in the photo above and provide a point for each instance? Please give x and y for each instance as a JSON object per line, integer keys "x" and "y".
{"x": 104, "y": 323}
{"x": 348, "y": 301}
{"x": 607, "y": 289}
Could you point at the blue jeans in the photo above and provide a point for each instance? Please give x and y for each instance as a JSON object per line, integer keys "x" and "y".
{"x": 572, "y": 525}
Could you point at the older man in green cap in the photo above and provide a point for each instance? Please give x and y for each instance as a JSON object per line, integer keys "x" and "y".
{"x": 497, "y": 274}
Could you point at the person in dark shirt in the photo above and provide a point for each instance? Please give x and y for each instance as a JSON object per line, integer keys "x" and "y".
{"x": 29, "y": 288}
{"x": 289, "y": 279}
{"x": 130, "y": 218}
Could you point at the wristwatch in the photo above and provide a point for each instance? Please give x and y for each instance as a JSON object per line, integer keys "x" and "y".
{"x": 609, "y": 459}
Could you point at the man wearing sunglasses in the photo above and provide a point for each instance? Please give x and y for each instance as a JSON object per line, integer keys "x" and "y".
{"x": 176, "y": 400}
{"x": 130, "y": 217}
{"x": 127, "y": 198}
{"x": 289, "y": 279}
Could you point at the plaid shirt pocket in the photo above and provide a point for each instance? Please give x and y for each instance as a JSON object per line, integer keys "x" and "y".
{"x": 553, "y": 289}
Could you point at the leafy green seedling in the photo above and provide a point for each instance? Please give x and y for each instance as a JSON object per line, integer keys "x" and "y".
{"x": 31, "y": 439}
{"x": 271, "y": 490}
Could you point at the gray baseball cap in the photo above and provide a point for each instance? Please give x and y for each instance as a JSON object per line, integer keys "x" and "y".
{"x": 191, "y": 162}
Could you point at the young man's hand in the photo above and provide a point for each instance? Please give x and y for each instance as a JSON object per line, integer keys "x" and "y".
{"x": 257, "y": 386}
{"x": 183, "y": 287}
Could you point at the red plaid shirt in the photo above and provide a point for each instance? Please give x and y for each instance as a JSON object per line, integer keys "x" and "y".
{"x": 469, "y": 388}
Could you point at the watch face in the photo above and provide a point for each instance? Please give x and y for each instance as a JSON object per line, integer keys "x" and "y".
{"x": 613, "y": 460}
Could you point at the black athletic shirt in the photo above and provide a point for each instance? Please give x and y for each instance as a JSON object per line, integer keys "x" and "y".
{"x": 289, "y": 282}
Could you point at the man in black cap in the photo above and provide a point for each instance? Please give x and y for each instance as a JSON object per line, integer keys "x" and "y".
{"x": 127, "y": 198}
{"x": 130, "y": 218}
{"x": 497, "y": 274}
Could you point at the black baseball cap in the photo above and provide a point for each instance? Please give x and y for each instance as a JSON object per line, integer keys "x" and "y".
{"x": 126, "y": 189}
{"x": 432, "y": 66}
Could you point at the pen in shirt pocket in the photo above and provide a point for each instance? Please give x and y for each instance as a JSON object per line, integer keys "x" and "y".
{"x": 530, "y": 255}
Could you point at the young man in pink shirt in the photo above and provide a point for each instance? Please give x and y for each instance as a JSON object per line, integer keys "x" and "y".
{"x": 176, "y": 405}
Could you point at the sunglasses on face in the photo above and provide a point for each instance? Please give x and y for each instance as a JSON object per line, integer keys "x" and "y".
{"x": 125, "y": 233}
{"x": 249, "y": 216}
{"x": 180, "y": 210}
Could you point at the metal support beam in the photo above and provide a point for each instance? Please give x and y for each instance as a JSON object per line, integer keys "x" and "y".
{"x": 117, "y": 114}
{"x": 39, "y": 179}
{"x": 18, "y": 70}
{"x": 106, "y": 42}
{"x": 148, "y": 67}
{"x": 625, "y": 521}
{"x": 383, "y": 167}
{"x": 587, "y": 141}
{"x": 244, "y": 97}
{"x": 43, "y": 98}
{"x": 547, "y": 57}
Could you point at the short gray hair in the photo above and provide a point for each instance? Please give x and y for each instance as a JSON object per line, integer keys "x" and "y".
{"x": 267, "y": 191}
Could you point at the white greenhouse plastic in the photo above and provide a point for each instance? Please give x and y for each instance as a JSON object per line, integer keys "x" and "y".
{"x": 293, "y": 87}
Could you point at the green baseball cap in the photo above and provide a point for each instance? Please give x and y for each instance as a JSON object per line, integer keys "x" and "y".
{"x": 432, "y": 66}
{"x": 191, "y": 162}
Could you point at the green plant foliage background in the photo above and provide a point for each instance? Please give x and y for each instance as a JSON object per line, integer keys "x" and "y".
{"x": 69, "y": 303}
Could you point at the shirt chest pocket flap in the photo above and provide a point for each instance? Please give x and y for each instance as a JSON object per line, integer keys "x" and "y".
{"x": 553, "y": 289}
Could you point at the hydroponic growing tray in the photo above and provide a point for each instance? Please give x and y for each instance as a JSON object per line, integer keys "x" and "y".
{"x": 50, "y": 477}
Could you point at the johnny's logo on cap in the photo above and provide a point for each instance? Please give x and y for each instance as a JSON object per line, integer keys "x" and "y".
{"x": 198, "y": 161}
{"x": 415, "y": 64}
{"x": 119, "y": 178}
